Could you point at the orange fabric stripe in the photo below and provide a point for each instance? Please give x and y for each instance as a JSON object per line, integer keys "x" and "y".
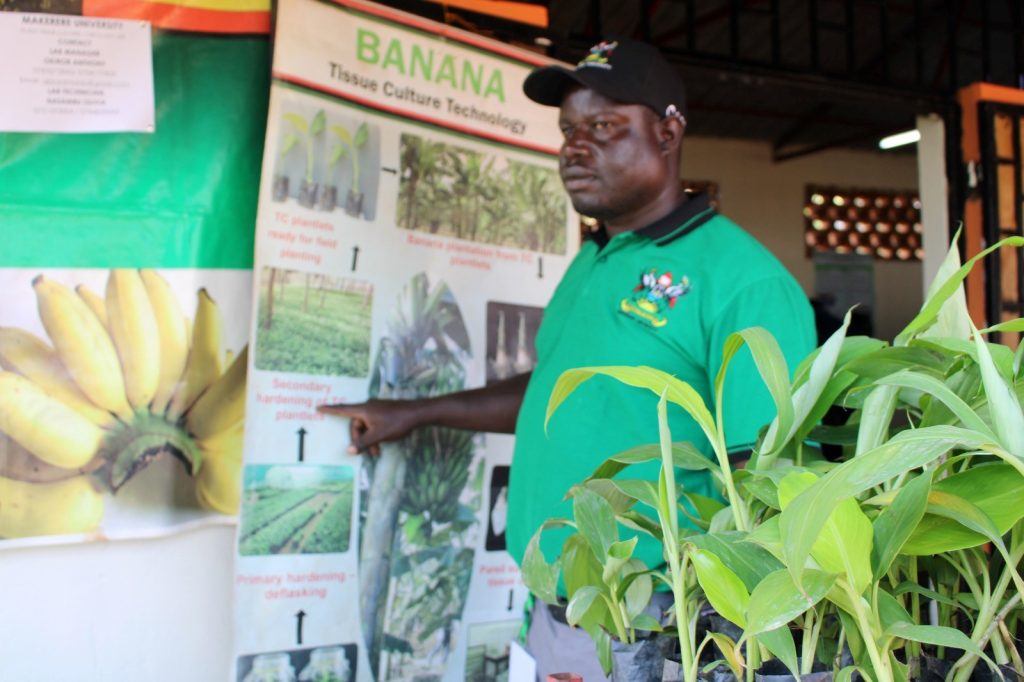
{"x": 179, "y": 18}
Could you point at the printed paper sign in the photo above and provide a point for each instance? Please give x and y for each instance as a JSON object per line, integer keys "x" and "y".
{"x": 75, "y": 74}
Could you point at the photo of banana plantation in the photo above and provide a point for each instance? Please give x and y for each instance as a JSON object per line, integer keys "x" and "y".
{"x": 483, "y": 197}
{"x": 290, "y": 509}
{"x": 313, "y": 323}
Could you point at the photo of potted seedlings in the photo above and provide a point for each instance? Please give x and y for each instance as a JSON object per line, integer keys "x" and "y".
{"x": 898, "y": 559}
{"x": 353, "y": 145}
{"x": 304, "y": 132}
{"x": 280, "y": 184}
{"x": 419, "y": 525}
{"x": 482, "y": 197}
{"x": 511, "y": 334}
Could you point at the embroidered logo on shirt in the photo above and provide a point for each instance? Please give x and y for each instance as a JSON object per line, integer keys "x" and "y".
{"x": 653, "y": 297}
{"x": 599, "y": 55}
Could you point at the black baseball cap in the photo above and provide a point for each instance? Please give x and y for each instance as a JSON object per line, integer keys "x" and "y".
{"x": 627, "y": 71}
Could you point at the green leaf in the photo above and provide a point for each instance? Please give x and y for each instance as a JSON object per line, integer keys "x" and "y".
{"x": 654, "y": 380}
{"x": 619, "y": 501}
{"x": 641, "y": 491}
{"x": 580, "y": 603}
{"x": 846, "y": 674}
{"x": 936, "y": 635}
{"x": 949, "y": 287}
{"x": 539, "y": 576}
{"x": 362, "y": 133}
{"x": 890, "y": 611}
{"x": 770, "y": 363}
{"x": 996, "y": 489}
{"x": 844, "y": 544}
{"x": 805, "y": 397}
{"x": 290, "y": 140}
{"x": 891, "y": 360}
{"x": 781, "y": 645}
{"x": 723, "y": 588}
{"x": 595, "y": 522}
{"x": 778, "y": 600}
{"x": 639, "y": 588}
{"x": 895, "y": 524}
{"x": 767, "y": 536}
{"x": 319, "y": 120}
{"x": 733, "y": 658}
{"x": 875, "y": 418}
{"x": 603, "y": 643}
{"x": 932, "y": 386}
{"x": 749, "y": 561}
{"x": 298, "y": 121}
{"x": 1007, "y": 415}
{"x": 908, "y": 586}
{"x": 801, "y": 522}
{"x": 619, "y": 554}
{"x": 342, "y": 133}
{"x": 647, "y": 622}
{"x": 684, "y": 456}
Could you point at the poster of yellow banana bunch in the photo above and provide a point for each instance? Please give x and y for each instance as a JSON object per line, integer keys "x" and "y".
{"x": 122, "y": 400}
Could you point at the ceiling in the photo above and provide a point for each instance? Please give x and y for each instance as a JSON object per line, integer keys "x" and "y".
{"x": 803, "y": 75}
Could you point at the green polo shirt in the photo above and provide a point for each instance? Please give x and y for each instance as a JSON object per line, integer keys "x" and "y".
{"x": 705, "y": 279}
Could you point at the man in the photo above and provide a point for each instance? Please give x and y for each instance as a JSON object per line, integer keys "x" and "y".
{"x": 663, "y": 283}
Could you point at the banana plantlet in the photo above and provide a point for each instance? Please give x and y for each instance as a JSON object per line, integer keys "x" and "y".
{"x": 127, "y": 380}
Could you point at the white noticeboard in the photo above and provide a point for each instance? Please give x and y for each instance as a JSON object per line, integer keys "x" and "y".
{"x": 73, "y": 74}
{"x": 411, "y": 229}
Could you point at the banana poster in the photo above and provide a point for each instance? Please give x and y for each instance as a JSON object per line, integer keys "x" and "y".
{"x": 126, "y": 273}
{"x": 411, "y": 228}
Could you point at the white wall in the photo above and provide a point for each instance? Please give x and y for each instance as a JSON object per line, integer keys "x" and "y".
{"x": 767, "y": 200}
{"x": 149, "y": 610}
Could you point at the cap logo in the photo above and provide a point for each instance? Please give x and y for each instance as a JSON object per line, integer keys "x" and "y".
{"x": 599, "y": 55}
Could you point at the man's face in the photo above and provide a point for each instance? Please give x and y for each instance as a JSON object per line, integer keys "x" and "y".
{"x": 611, "y": 162}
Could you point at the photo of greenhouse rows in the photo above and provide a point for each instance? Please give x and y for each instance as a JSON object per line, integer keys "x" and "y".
{"x": 296, "y": 509}
{"x": 313, "y": 323}
{"x": 483, "y": 197}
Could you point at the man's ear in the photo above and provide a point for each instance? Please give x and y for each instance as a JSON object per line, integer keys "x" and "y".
{"x": 670, "y": 133}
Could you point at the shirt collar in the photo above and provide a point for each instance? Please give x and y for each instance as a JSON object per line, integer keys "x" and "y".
{"x": 683, "y": 219}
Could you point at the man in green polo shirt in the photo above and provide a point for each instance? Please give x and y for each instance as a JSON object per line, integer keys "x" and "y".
{"x": 663, "y": 283}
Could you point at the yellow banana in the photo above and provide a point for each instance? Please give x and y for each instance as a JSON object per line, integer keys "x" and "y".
{"x": 31, "y": 357}
{"x": 45, "y": 427}
{"x": 222, "y": 405}
{"x": 18, "y": 463}
{"x": 30, "y": 509}
{"x": 136, "y": 336}
{"x": 173, "y": 336}
{"x": 219, "y": 481}
{"x": 94, "y": 301}
{"x": 203, "y": 365}
{"x": 83, "y": 345}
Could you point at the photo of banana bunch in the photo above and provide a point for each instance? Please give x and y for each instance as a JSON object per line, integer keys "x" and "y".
{"x": 124, "y": 378}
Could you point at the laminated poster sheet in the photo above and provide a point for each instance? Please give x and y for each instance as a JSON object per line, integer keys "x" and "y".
{"x": 411, "y": 228}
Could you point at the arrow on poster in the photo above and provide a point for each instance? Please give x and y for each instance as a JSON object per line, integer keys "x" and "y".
{"x": 302, "y": 442}
{"x": 540, "y": 268}
{"x": 355, "y": 257}
{"x": 298, "y": 627}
